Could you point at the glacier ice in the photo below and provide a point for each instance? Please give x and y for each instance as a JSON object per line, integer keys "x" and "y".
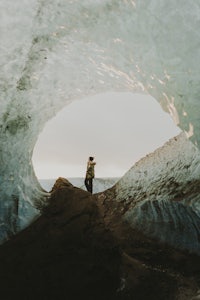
{"x": 162, "y": 194}
{"x": 57, "y": 51}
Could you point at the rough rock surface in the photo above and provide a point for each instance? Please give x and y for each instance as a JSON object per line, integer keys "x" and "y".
{"x": 80, "y": 248}
{"x": 66, "y": 254}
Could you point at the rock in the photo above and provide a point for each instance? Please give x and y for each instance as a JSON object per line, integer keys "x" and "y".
{"x": 66, "y": 254}
{"x": 80, "y": 248}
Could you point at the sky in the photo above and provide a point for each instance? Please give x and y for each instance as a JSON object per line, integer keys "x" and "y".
{"x": 117, "y": 129}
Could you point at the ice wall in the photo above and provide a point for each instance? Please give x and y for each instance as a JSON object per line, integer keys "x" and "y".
{"x": 162, "y": 193}
{"x": 55, "y": 51}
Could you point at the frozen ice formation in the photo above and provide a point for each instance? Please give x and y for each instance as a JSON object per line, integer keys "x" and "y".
{"x": 162, "y": 192}
{"x": 54, "y": 52}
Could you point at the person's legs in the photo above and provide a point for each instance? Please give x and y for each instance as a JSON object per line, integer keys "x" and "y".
{"x": 88, "y": 184}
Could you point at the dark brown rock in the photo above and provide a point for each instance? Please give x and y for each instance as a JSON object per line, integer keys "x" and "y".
{"x": 66, "y": 254}
{"x": 80, "y": 248}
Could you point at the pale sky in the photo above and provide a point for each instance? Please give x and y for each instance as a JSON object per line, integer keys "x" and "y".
{"x": 116, "y": 128}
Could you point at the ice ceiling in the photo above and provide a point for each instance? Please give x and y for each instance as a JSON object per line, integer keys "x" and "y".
{"x": 55, "y": 51}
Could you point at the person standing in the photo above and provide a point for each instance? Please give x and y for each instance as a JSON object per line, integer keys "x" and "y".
{"x": 90, "y": 174}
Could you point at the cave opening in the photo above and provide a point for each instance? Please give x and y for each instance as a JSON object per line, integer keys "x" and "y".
{"x": 117, "y": 128}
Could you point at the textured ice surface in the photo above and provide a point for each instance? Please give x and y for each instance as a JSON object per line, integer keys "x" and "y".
{"x": 162, "y": 192}
{"x": 55, "y": 51}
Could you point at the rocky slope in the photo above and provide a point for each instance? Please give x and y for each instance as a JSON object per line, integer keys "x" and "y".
{"x": 100, "y": 184}
{"x": 80, "y": 248}
{"x": 65, "y": 254}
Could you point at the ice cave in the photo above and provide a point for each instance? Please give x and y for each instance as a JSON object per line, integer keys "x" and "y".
{"x": 54, "y": 52}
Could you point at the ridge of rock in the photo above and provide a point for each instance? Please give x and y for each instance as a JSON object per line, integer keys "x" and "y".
{"x": 80, "y": 248}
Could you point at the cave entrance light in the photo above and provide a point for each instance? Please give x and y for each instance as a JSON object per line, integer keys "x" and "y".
{"x": 117, "y": 128}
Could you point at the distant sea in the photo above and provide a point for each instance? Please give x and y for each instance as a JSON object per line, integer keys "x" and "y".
{"x": 99, "y": 184}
